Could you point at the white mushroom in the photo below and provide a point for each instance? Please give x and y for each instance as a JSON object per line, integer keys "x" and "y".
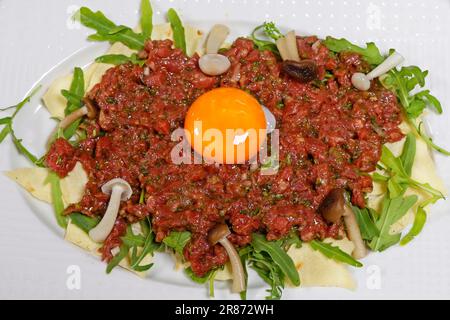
{"x": 211, "y": 63}
{"x": 219, "y": 235}
{"x": 291, "y": 44}
{"x": 361, "y": 81}
{"x": 214, "y": 64}
{"x": 216, "y": 38}
{"x": 119, "y": 190}
{"x": 282, "y": 48}
{"x": 288, "y": 48}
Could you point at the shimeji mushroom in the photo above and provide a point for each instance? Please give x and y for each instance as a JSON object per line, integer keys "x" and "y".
{"x": 361, "y": 81}
{"x": 212, "y": 63}
{"x": 219, "y": 235}
{"x": 88, "y": 110}
{"x": 119, "y": 190}
{"x": 333, "y": 208}
{"x": 301, "y": 70}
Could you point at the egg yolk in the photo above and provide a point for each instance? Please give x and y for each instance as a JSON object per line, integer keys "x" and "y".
{"x": 226, "y": 125}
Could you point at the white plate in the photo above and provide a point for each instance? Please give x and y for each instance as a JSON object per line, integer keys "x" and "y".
{"x": 35, "y": 260}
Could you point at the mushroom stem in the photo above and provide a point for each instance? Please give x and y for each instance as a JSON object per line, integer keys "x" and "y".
{"x": 287, "y": 46}
{"x": 211, "y": 63}
{"x": 102, "y": 230}
{"x": 333, "y": 208}
{"x": 67, "y": 121}
{"x": 291, "y": 44}
{"x": 219, "y": 235}
{"x": 216, "y": 38}
{"x": 119, "y": 190}
{"x": 236, "y": 266}
{"x": 391, "y": 62}
{"x": 282, "y": 48}
{"x": 354, "y": 233}
{"x": 361, "y": 81}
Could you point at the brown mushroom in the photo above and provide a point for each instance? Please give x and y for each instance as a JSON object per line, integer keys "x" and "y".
{"x": 333, "y": 208}
{"x": 303, "y": 71}
{"x": 89, "y": 109}
{"x": 219, "y": 235}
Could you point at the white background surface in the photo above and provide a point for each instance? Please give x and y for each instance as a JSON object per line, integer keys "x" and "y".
{"x": 37, "y": 34}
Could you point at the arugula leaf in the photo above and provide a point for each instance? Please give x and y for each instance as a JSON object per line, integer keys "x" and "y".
{"x": 177, "y": 240}
{"x": 366, "y": 224}
{"x": 8, "y": 121}
{"x": 195, "y": 278}
{"x": 84, "y": 222}
{"x": 146, "y": 18}
{"x": 392, "y": 210}
{"x": 270, "y": 31}
{"x": 270, "y": 272}
{"x": 109, "y": 31}
{"x": 4, "y": 133}
{"x": 71, "y": 97}
{"x": 400, "y": 180}
{"x": 179, "y": 37}
{"x": 57, "y": 200}
{"x": 74, "y": 97}
{"x": 291, "y": 240}
{"x": 403, "y": 82}
{"x": 133, "y": 240}
{"x": 278, "y": 255}
{"x": 76, "y": 90}
{"x": 419, "y": 223}
{"x": 428, "y": 140}
{"x": 334, "y": 253}
{"x": 5, "y": 120}
{"x": 118, "y": 59}
{"x": 244, "y": 254}
{"x": 123, "y": 253}
{"x": 371, "y": 53}
{"x": 148, "y": 248}
{"x": 409, "y": 153}
{"x": 211, "y": 283}
{"x": 419, "y": 220}
{"x": 21, "y": 148}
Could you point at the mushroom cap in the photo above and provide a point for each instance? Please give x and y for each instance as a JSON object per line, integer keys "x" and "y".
{"x": 332, "y": 207}
{"x": 216, "y": 38}
{"x": 303, "y": 71}
{"x": 360, "y": 81}
{"x": 220, "y": 232}
{"x": 118, "y": 183}
{"x": 214, "y": 64}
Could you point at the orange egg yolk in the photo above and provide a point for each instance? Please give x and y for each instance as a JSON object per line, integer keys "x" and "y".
{"x": 226, "y": 125}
